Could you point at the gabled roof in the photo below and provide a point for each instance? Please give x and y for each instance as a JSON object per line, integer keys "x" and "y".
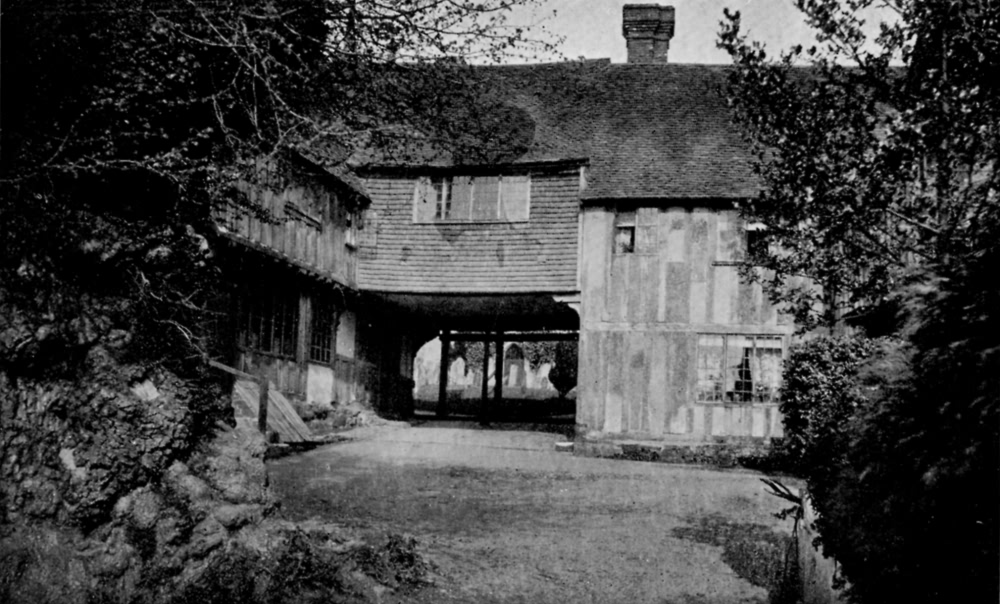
{"x": 648, "y": 131}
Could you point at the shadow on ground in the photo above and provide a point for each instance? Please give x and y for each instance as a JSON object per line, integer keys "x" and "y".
{"x": 755, "y": 552}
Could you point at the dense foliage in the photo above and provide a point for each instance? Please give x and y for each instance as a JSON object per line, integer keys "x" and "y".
{"x": 876, "y": 150}
{"x": 131, "y": 121}
{"x": 125, "y": 124}
{"x": 878, "y": 158}
{"x": 906, "y": 487}
{"x": 820, "y": 394}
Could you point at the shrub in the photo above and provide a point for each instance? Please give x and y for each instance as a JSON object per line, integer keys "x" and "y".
{"x": 901, "y": 449}
{"x": 820, "y": 394}
{"x": 912, "y": 512}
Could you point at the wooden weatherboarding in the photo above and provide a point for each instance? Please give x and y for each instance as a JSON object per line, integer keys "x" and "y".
{"x": 276, "y": 416}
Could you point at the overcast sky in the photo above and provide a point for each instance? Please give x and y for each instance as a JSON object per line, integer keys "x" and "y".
{"x": 593, "y": 28}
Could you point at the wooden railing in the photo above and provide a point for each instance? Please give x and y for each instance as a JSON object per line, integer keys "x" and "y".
{"x": 264, "y": 385}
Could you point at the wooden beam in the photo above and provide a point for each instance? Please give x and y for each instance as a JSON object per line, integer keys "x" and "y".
{"x": 486, "y": 369}
{"x": 484, "y": 403}
{"x": 498, "y": 372}
{"x": 303, "y": 337}
{"x": 518, "y": 337}
{"x": 262, "y": 405}
{"x": 442, "y": 406}
{"x": 240, "y": 374}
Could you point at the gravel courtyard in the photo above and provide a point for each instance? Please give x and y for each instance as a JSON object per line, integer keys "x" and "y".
{"x": 505, "y": 518}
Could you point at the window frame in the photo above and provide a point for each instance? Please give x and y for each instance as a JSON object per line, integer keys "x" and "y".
{"x": 322, "y": 326}
{"x": 625, "y": 221}
{"x": 269, "y": 323}
{"x": 440, "y": 190}
{"x": 737, "y": 396}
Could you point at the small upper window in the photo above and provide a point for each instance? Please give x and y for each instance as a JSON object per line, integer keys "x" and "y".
{"x": 472, "y": 199}
{"x": 351, "y": 233}
{"x": 624, "y": 242}
{"x": 756, "y": 240}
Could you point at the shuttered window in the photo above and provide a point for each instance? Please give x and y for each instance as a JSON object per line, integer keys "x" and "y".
{"x": 504, "y": 198}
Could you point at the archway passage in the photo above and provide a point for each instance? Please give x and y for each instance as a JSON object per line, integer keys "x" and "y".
{"x": 507, "y": 358}
{"x": 534, "y": 380}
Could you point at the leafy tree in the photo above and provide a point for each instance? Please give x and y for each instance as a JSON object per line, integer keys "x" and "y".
{"x": 876, "y": 151}
{"x": 878, "y": 160}
{"x": 130, "y": 121}
{"x": 906, "y": 489}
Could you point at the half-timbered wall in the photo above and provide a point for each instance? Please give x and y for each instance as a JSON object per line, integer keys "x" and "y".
{"x": 296, "y": 321}
{"x": 306, "y": 223}
{"x": 657, "y": 283}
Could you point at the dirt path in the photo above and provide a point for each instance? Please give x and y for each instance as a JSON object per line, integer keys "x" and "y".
{"x": 505, "y": 518}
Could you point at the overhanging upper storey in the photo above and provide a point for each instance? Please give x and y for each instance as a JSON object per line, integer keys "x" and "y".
{"x": 500, "y": 229}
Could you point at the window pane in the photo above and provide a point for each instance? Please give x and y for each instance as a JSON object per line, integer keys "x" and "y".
{"x": 739, "y": 374}
{"x": 515, "y": 193}
{"x": 767, "y": 369}
{"x": 265, "y": 336}
{"x": 321, "y": 345}
{"x": 624, "y": 240}
{"x": 710, "y": 367}
{"x": 424, "y": 201}
{"x": 288, "y": 326}
{"x": 442, "y": 197}
{"x": 461, "y": 198}
{"x": 485, "y": 197}
{"x": 735, "y": 368}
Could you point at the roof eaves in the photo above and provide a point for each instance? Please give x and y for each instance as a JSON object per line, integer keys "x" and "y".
{"x": 345, "y": 178}
{"x": 412, "y": 169}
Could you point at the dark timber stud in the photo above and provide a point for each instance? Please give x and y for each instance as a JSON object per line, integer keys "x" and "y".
{"x": 498, "y": 372}
{"x": 264, "y": 386}
{"x": 442, "y": 407}
{"x": 484, "y": 403}
{"x": 262, "y": 405}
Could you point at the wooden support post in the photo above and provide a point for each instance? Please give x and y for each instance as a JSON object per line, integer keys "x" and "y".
{"x": 262, "y": 405}
{"x": 442, "y": 406}
{"x": 484, "y": 403}
{"x": 263, "y": 385}
{"x": 498, "y": 373}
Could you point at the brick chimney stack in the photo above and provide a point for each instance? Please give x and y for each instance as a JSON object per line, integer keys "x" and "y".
{"x": 648, "y": 29}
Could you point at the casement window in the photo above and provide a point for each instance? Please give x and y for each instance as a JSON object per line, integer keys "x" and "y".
{"x": 735, "y": 368}
{"x": 270, "y": 322}
{"x": 472, "y": 199}
{"x": 624, "y": 235}
{"x": 321, "y": 330}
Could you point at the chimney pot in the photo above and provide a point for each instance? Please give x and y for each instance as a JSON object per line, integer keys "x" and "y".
{"x": 648, "y": 29}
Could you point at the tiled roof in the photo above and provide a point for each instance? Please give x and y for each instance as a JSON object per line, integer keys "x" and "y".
{"x": 338, "y": 169}
{"x": 648, "y": 131}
